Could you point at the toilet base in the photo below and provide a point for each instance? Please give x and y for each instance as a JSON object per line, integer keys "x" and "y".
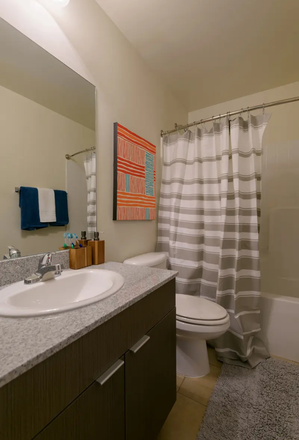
{"x": 192, "y": 357}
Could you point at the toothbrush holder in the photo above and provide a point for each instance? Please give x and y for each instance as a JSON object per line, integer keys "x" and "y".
{"x": 80, "y": 258}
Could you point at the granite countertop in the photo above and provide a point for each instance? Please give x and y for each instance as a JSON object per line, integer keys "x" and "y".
{"x": 27, "y": 341}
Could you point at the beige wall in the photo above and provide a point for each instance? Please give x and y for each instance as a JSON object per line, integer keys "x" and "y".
{"x": 283, "y": 123}
{"x": 34, "y": 141}
{"x": 127, "y": 92}
{"x": 279, "y": 240}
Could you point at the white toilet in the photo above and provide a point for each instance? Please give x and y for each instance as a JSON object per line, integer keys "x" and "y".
{"x": 197, "y": 320}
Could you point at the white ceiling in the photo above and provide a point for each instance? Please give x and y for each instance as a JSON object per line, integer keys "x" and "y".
{"x": 210, "y": 51}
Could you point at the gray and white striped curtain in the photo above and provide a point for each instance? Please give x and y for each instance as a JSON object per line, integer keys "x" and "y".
{"x": 209, "y": 224}
{"x": 90, "y": 165}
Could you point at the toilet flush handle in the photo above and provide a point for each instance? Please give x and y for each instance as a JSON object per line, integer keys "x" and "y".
{"x": 136, "y": 347}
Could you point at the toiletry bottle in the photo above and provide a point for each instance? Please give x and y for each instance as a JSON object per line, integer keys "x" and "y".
{"x": 84, "y": 241}
{"x": 98, "y": 249}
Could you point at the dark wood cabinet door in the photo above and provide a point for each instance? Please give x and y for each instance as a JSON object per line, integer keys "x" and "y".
{"x": 151, "y": 380}
{"x": 98, "y": 413}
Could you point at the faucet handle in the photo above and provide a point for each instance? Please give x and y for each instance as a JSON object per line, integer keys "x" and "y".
{"x": 58, "y": 269}
{"x": 13, "y": 252}
{"x": 46, "y": 260}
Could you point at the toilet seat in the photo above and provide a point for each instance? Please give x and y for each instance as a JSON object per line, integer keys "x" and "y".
{"x": 201, "y": 322}
{"x": 206, "y": 332}
{"x": 199, "y": 311}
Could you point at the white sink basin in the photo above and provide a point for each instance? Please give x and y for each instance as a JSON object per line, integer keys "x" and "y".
{"x": 69, "y": 291}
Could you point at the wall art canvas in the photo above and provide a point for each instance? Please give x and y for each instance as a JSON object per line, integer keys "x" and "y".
{"x": 134, "y": 195}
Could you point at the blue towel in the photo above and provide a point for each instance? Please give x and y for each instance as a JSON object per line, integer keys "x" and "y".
{"x": 62, "y": 214}
{"x": 28, "y": 203}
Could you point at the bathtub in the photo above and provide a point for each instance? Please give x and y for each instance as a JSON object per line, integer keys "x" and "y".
{"x": 279, "y": 313}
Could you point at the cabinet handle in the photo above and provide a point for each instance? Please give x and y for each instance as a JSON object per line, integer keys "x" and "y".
{"x": 109, "y": 373}
{"x": 140, "y": 344}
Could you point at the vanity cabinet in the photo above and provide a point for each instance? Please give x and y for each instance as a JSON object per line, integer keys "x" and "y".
{"x": 97, "y": 414}
{"x": 117, "y": 382}
{"x": 106, "y": 411}
{"x": 151, "y": 381}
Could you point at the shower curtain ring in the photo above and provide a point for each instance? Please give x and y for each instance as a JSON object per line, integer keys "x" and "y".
{"x": 263, "y": 108}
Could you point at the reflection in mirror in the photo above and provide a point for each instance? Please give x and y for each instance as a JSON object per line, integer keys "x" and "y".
{"x": 47, "y": 111}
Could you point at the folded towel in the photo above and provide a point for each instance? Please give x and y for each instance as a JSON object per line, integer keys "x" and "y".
{"x": 28, "y": 202}
{"x": 46, "y": 202}
{"x": 62, "y": 214}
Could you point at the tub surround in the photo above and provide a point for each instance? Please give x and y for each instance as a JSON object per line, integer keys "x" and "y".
{"x": 14, "y": 270}
{"x": 29, "y": 341}
{"x": 280, "y": 325}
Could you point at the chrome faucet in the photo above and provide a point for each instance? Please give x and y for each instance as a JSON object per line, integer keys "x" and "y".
{"x": 46, "y": 270}
{"x": 12, "y": 253}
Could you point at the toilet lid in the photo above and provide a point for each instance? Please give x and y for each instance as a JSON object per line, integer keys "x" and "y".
{"x": 194, "y": 308}
{"x": 149, "y": 259}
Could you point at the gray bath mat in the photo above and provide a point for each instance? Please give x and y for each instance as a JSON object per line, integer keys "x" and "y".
{"x": 259, "y": 404}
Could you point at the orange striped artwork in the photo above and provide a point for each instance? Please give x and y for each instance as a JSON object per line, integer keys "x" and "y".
{"x": 134, "y": 194}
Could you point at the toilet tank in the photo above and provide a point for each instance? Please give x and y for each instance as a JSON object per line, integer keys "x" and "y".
{"x": 152, "y": 259}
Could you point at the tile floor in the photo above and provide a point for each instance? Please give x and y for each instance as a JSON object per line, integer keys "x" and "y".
{"x": 192, "y": 399}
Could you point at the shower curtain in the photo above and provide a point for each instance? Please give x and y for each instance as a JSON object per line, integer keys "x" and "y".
{"x": 209, "y": 225}
{"x": 90, "y": 165}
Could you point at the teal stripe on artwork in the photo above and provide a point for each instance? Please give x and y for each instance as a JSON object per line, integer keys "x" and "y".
{"x": 147, "y": 212}
{"x": 127, "y": 183}
{"x": 149, "y": 174}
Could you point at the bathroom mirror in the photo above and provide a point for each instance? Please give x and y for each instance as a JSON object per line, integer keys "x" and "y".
{"x": 46, "y": 111}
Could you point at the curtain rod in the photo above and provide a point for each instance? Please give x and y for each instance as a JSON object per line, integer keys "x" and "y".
{"x": 223, "y": 115}
{"x": 68, "y": 157}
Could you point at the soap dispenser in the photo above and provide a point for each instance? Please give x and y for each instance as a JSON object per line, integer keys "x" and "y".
{"x": 84, "y": 240}
{"x": 98, "y": 249}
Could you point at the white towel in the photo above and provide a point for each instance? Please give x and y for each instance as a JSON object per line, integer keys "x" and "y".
{"x": 46, "y": 204}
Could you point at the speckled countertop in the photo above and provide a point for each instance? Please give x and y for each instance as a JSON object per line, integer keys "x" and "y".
{"x": 27, "y": 341}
